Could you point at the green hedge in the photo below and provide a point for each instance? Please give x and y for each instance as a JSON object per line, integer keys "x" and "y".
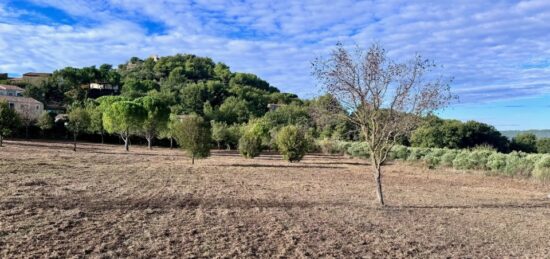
{"x": 481, "y": 158}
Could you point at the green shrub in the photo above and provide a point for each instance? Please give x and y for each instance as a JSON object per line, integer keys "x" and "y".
{"x": 400, "y": 152}
{"x": 193, "y": 135}
{"x": 448, "y": 157}
{"x": 291, "y": 143}
{"x": 478, "y": 158}
{"x": 517, "y": 164}
{"x": 542, "y": 169}
{"x": 432, "y": 160}
{"x": 359, "y": 150}
{"x": 462, "y": 161}
{"x": 331, "y": 147}
{"x": 250, "y": 145}
{"x": 497, "y": 162}
{"x": 417, "y": 153}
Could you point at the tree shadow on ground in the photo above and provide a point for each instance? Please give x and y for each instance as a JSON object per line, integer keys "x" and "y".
{"x": 541, "y": 204}
{"x": 166, "y": 201}
{"x": 311, "y": 166}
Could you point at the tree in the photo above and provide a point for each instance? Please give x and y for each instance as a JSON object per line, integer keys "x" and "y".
{"x": 525, "y": 142}
{"x": 193, "y": 135}
{"x": 250, "y": 143}
{"x": 169, "y": 130}
{"x": 478, "y": 134}
{"x": 79, "y": 121}
{"x": 386, "y": 98}
{"x": 124, "y": 118}
{"x": 157, "y": 117}
{"x": 543, "y": 146}
{"x": 45, "y": 121}
{"x": 96, "y": 118}
{"x": 27, "y": 118}
{"x": 225, "y": 134}
{"x": 234, "y": 110}
{"x": 9, "y": 120}
{"x": 292, "y": 143}
{"x": 134, "y": 88}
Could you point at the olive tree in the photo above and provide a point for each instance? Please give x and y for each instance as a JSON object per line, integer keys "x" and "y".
{"x": 386, "y": 99}
{"x": 124, "y": 118}
{"x": 193, "y": 135}
{"x": 292, "y": 143}
{"x": 9, "y": 120}
{"x": 79, "y": 121}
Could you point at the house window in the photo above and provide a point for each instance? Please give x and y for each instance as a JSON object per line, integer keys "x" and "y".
{"x": 37, "y": 107}
{"x": 12, "y": 106}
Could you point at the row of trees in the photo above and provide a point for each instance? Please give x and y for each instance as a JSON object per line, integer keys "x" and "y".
{"x": 438, "y": 133}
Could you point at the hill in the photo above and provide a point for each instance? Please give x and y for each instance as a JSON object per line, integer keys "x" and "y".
{"x": 539, "y": 133}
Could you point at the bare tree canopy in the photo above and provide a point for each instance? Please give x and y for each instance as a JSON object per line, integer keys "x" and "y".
{"x": 385, "y": 99}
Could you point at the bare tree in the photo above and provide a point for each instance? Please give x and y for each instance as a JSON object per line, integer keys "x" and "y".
{"x": 385, "y": 99}
{"x": 28, "y": 118}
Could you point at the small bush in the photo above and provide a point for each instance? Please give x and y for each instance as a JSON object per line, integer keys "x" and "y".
{"x": 359, "y": 150}
{"x": 250, "y": 145}
{"x": 517, "y": 164}
{"x": 462, "y": 161}
{"x": 400, "y": 152}
{"x": 331, "y": 147}
{"x": 291, "y": 143}
{"x": 479, "y": 157}
{"x": 497, "y": 162}
{"x": 448, "y": 157}
{"x": 542, "y": 169}
{"x": 418, "y": 153}
{"x": 432, "y": 160}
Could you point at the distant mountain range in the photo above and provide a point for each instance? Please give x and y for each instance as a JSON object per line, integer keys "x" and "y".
{"x": 539, "y": 133}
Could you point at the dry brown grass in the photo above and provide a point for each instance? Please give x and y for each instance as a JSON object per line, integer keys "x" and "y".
{"x": 101, "y": 201}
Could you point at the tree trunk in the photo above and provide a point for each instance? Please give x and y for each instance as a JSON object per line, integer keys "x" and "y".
{"x": 171, "y": 142}
{"x": 193, "y": 159}
{"x": 74, "y": 138}
{"x": 149, "y": 140}
{"x": 102, "y": 141}
{"x": 126, "y": 139}
{"x": 26, "y": 131}
{"x": 378, "y": 179}
{"x": 1, "y": 140}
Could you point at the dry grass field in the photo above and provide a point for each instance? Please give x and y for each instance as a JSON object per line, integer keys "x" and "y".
{"x": 104, "y": 202}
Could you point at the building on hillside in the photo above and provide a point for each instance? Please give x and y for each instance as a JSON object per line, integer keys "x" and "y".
{"x": 3, "y": 76}
{"x": 11, "y": 90}
{"x": 31, "y": 77}
{"x": 99, "y": 89}
{"x": 27, "y": 108}
{"x": 103, "y": 86}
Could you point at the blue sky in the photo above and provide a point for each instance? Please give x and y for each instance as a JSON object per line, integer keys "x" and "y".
{"x": 498, "y": 52}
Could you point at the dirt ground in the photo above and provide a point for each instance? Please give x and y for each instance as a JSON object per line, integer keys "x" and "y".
{"x": 104, "y": 202}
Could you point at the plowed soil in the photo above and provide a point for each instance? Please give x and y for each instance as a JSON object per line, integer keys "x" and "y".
{"x": 103, "y": 202}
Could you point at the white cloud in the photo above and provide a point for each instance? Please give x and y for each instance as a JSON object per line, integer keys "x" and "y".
{"x": 484, "y": 45}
